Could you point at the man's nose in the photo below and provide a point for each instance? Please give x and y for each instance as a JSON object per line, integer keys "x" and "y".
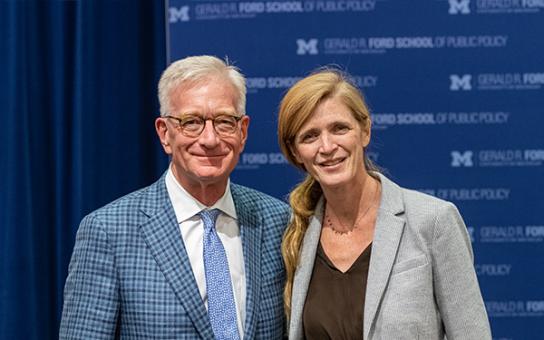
{"x": 209, "y": 137}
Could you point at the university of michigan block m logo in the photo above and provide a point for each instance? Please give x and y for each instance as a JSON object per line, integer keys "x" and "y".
{"x": 463, "y": 82}
{"x": 459, "y": 7}
{"x": 459, "y": 159}
{"x": 178, "y": 14}
{"x": 307, "y": 46}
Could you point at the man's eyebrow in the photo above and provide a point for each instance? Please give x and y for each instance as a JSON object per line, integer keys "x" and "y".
{"x": 226, "y": 112}
{"x": 215, "y": 114}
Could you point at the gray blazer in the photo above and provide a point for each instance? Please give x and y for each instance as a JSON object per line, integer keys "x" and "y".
{"x": 421, "y": 280}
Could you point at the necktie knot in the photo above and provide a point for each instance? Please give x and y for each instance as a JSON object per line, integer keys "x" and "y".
{"x": 209, "y": 217}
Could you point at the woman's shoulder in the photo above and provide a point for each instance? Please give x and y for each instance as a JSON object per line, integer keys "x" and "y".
{"x": 423, "y": 198}
{"x": 413, "y": 197}
{"x": 421, "y": 208}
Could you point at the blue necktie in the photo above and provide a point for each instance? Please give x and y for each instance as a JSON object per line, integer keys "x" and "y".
{"x": 221, "y": 306}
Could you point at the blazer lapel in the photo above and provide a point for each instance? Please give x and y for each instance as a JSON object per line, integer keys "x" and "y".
{"x": 161, "y": 233}
{"x": 251, "y": 232}
{"x": 387, "y": 235}
{"x": 304, "y": 271}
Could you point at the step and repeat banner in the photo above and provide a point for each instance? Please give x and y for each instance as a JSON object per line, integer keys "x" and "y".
{"x": 456, "y": 91}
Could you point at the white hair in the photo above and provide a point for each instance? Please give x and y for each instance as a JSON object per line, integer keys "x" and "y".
{"x": 192, "y": 70}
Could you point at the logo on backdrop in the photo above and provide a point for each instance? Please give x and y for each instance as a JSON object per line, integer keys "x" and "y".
{"x": 176, "y": 14}
{"x": 493, "y": 269}
{"x": 497, "y": 158}
{"x": 507, "y": 233}
{"x": 252, "y": 9}
{"x": 255, "y": 84}
{"x": 497, "y": 81}
{"x": 256, "y": 160}
{"x": 460, "y": 82}
{"x": 380, "y": 45}
{"x": 515, "y": 308}
{"x": 340, "y": 6}
{"x": 229, "y": 10}
{"x": 461, "y": 159}
{"x": 308, "y": 46}
{"x": 381, "y": 121}
{"x": 469, "y": 194}
{"x": 460, "y": 7}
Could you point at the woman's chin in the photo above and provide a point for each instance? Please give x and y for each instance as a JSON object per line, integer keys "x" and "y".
{"x": 334, "y": 181}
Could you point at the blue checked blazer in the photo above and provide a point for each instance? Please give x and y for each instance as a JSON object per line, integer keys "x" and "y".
{"x": 130, "y": 276}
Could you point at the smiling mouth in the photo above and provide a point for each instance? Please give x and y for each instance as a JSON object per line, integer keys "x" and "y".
{"x": 209, "y": 156}
{"x": 332, "y": 162}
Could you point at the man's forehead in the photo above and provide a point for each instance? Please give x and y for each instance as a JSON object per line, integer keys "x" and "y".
{"x": 191, "y": 85}
{"x": 212, "y": 97}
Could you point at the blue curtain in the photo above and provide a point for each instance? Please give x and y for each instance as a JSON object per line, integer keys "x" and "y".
{"x": 77, "y": 107}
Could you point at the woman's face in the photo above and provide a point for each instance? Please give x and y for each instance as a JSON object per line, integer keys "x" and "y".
{"x": 330, "y": 145}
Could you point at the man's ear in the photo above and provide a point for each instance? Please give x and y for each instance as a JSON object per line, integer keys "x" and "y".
{"x": 162, "y": 132}
{"x": 244, "y": 122}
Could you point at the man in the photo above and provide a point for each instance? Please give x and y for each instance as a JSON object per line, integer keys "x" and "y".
{"x": 192, "y": 256}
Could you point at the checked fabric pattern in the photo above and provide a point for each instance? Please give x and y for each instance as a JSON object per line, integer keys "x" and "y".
{"x": 130, "y": 277}
{"x": 221, "y": 306}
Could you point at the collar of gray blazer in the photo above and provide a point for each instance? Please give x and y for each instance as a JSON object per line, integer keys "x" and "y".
{"x": 389, "y": 227}
{"x": 161, "y": 233}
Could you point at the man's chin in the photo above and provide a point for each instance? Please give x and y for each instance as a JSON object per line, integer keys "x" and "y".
{"x": 212, "y": 173}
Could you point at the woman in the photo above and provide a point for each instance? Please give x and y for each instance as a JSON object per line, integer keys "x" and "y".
{"x": 365, "y": 258}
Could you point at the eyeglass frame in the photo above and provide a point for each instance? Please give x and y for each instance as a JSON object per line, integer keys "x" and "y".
{"x": 203, "y": 119}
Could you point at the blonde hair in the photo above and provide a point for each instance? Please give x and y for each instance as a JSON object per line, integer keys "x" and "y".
{"x": 192, "y": 70}
{"x": 296, "y": 107}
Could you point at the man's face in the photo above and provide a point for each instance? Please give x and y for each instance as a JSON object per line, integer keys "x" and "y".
{"x": 208, "y": 159}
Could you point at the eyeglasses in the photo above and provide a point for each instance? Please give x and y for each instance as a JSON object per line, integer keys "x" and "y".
{"x": 193, "y": 125}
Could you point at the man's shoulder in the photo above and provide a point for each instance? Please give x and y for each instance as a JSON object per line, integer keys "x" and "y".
{"x": 134, "y": 201}
{"x": 257, "y": 199}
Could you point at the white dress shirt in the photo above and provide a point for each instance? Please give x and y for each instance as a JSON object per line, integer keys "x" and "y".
{"x": 186, "y": 208}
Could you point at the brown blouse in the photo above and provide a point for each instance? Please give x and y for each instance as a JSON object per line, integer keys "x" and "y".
{"x": 335, "y": 301}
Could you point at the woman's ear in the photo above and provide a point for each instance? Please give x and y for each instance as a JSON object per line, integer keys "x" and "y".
{"x": 366, "y": 133}
{"x": 294, "y": 152}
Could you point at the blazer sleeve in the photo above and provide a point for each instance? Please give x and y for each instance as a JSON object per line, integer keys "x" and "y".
{"x": 91, "y": 298}
{"x": 456, "y": 286}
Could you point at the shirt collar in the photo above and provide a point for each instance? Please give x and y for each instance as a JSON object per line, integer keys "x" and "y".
{"x": 186, "y": 206}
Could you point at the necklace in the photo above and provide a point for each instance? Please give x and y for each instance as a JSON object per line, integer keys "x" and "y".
{"x": 345, "y": 230}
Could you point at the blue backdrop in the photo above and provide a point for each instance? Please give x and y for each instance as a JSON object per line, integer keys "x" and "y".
{"x": 77, "y": 106}
{"x": 456, "y": 90}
